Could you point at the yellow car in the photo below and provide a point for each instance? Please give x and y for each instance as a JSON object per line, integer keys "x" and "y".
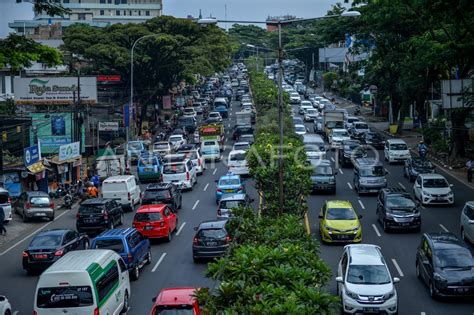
{"x": 338, "y": 222}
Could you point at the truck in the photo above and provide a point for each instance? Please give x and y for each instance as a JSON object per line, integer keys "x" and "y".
{"x": 110, "y": 164}
{"x": 332, "y": 119}
{"x": 214, "y": 132}
{"x": 243, "y": 118}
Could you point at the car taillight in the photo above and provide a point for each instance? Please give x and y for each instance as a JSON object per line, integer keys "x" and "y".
{"x": 187, "y": 175}
{"x": 28, "y": 205}
{"x": 219, "y": 212}
{"x": 196, "y": 240}
{"x": 51, "y": 205}
{"x": 78, "y": 216}
{"x": 129, "y": 196}
{"x": 219, "y": 190}
{"x": 199, "y": 162}
{"x": 105, "y": 214}
{"x": 96, "y": 312}
{"x": 130, "y": 258}
{"x": 59, "y": 253}
{"x": 25, "y": 254}
{"x": 227, "y": 239}
{"x": 240, "y": 189}
{"x": 9, "y": 200}
{"x": 34, "y": 313}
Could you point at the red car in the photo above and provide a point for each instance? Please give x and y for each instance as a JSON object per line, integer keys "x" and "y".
{"x": 156, "y": 221}
{"x": 173, "y": 299}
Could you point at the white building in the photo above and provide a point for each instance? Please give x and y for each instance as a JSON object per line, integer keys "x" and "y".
{"x": 94, "y": 12}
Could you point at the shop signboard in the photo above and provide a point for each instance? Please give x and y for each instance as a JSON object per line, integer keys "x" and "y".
{"x": 54, "y": 90}
{"x": 108, "y": 126}
{"x": 69, "y": 151}
{"x": 31, "y": 155}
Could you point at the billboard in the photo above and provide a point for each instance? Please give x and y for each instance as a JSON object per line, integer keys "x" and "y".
{"x": 54, "y": 90}
{"x": 31, "y": 155}
{"x": 69, "y": 151}
{"x": 455, "y": 93}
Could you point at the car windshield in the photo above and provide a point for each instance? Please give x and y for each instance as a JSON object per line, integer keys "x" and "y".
{"x": 134, "y": 146}
{"x": 376, "y": 171}
{"x": 241, "y": 146}
{"x": 422, "y": 163}
{"x": 229, "y": 182}
{"x": 373, "y": 274}
{"x": 237, "y": 157}
{"x": 90, "y": 209}
{"x": 212, "y": 234}
{"x": 229, "y": 204}
{"x": 361, "y": 126}
{"x": 311, "y": 148}
{"x": 175, "y": 138}
{"x": 340, "y": 214}
{"x": 159, "y": 194}
{"x": 64, "y": 297}
{"x": 373, "y": 136}
{"x": 435, "y": 183}
{"x": 115, "y": 244}
{"x": 340, "y": 134}
{"x": 174, "y": 168}
{"x": 454, "y": 258}
{"x": 148, "y": 216}
{"x": 398, "y": 146}
{"x": 297, "y": 120}
{"x": 39, "y": 201}
{"x": 350, "y": 146}
{"x": 161, "y": 146}
{"x": 209, "y": 143}
{"x": 186, "y": 120}
{"x": 300, "y": 128}
{"x": 400, "y": 201}
{"x": 46, "y": 241}
{"x": 323, "y": 170}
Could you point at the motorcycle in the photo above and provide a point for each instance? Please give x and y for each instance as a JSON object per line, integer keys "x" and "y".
{"x": 357, "y": 111}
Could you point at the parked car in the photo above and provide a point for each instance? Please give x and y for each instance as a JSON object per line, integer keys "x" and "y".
{"x": 6, "y": 205}
{"x": 175, "y": 301}
{"x": 338, "y": 222}
{"x": 229, "y": 202}
{"x": 98, "y": 214}
{"x": 166, "y": 193}
{"x": 445, "y": 264}
{"x": 433, "y": 189}
{"x": 211, "y": 240}
{"x": 34, "y": 205}
{"x": 396, "y": 209}
{"x": 48, "y": 246}
{"x": 364, "y": 283}
{"x": 134, "y": 249}
{"x": 156, "y": 221}
{"x": 467, "y": 222}
{"x": 415, "y": 166}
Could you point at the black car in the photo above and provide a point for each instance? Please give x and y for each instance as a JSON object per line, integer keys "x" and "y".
{"x": 445, "y": 264}
{"x": 241, "y": 130}
{"x": 188, "y": 124}
{"x": 415, "y": 166}
{"x": 98, "y": 214}
{"x": 211, "y": 240}
{"x": 396, "y": 209}
{"x": 48, "y": 246}
{"x": 351, "y": 150}
{"x": 163, "y": 193}
{"x": 373, "y": 139}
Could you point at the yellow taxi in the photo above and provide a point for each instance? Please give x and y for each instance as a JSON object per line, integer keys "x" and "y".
{"x": 338, "y": 222}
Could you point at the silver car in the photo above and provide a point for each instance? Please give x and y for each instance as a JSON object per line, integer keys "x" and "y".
{"x": 6, "y": 204}
{"x": 467, "y": 222}
{"x": 34, "y": 205}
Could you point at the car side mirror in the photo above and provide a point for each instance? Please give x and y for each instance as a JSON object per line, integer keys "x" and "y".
{"x": 320, "y": 216}
{"x": 396, "y": 280}
{"x": 339, "y": 280}
{"x": 153, "y": 299}
{"x": 417, "y": 185}
{"x": 360, "y": 216}
{"x": 451, "y": 185}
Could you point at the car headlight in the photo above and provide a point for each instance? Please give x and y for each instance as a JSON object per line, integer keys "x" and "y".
{"x": 362, "y": 181}
{"x": 330, "y": 228}
{"x": 450, "y": 193}
{"x": 417, "y": 213}
{"x": 439, "y": 277}
{"x": 426, "y": 194}
{"x": 389, "y": 215}
{"x": 352, "y": 295}
{"x": 354, "y": 229}
{"x": 389, "y": 295}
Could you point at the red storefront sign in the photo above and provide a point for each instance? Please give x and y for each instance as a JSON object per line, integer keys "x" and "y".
{"x": 108, "y": 77}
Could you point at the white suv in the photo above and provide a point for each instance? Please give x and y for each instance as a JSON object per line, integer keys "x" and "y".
{"x": 364, "y": 283}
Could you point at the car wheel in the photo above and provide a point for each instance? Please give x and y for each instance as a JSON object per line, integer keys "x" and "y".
{"x": 385, "y": 226}
{"x": 196, "y": 260}
{"x": 51, "y": 218}
{"x": 8, "y": 312}
{"x": 111, "y": 226}
{"x": 148, "y": 257}
{"x": 121, "y": 219}
{"x": 463, "y": 236}
{"x": 135, "y": 273}
{"x": 126, "y": 304}
{"x": 170, "y": 236}
{"x": 85, "y": 244}
{"x": 433, "y": 293}
{"x": 417, "y": 271}
{"x": 25, "y": 218}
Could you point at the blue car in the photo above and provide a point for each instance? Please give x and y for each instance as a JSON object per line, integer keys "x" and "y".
{"x": 134, "y": 249}
{"x": 229, "y": 184}
{"x": 222, "y": 110}
{"x": 149, "y": 167}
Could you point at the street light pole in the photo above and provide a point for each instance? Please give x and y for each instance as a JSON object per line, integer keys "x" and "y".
{"x": 127, "y": 129}
{"x": 280, "y": 122}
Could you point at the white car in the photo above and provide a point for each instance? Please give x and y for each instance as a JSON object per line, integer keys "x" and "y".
{"x": 396, "y": 150}
{"x": 337, "y": 136}
{"x": 177, "y": 140}
{"x": 235, "y": 83}
{"x": 181, "y": 173}
{"x": 241, "y": 146}
{"x": 189, "y": 111}
{"x": 215, "y": 115}
{"x": 237, "y": 162}
{"x": 311, "y": 114}
{"x": 301, "y": 129}
{"x": 349, "y": 121}
{"x": 5, "y": 307}
{"x": 364, "y": 283}
{"x": 162, "y": 148}
{"x": 467, "y": 222}
{"x": 295, "y": 98}
{"x": 433, "y": 189}
{"x": 303, "y": 108}
{"x": 5, "y": 203}
{"x": 211, "y": 150}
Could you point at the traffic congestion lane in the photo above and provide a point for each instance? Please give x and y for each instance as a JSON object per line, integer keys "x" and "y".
{"x": 398, "y": 248}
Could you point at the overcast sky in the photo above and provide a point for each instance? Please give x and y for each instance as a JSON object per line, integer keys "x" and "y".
{"x": 236, "y": 9}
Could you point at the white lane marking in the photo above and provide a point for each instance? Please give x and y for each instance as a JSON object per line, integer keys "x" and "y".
{"x": 228, "y": 125}
{"x": 349, "y": 184}
{"x": 443, "y": 227}
{"x": 423, "y": 313}
{"x": 215, "y": 170}
{"x": 31, "y": 234}
{"x": 158, "y": 262}
{"x": 195, "y": 204}
{"x": 403, "y": 186}
{"x": 340, "y": 171}
{"x": 205, "y": 187}
{"x": 376, "y": 230}
{"x": 361, "y": 204}
{"x": 400, "y": 272}
{"x": 332, "y": 159}
{"x": 388, "y": 172}
{"x": 225, "y": 139}
{"x": 180, "y": 228}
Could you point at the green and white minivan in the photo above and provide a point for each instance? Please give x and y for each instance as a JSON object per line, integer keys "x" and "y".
{"x": 84, "y": 282}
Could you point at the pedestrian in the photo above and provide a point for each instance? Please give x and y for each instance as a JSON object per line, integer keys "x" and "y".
{"x": 96, "y": 180}
{"x": 469, "y": 166}
{"x": 92, "y": 191}
{"x": 3, "y": 231}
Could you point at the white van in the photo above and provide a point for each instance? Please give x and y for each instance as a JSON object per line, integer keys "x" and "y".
{"x": 396, "y": 150}
{"x": 181, "y": 173}
{"x": 123, "y": 188}
{"x": 314, "y": 145}
{"x": 84, "y": 282}
{"x": 210, "y": 150}
{"x": 220, "y": 101}
{"x": 237, "y": 163}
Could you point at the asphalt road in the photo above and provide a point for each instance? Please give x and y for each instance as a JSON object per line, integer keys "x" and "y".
{"x": 398, "y": 248}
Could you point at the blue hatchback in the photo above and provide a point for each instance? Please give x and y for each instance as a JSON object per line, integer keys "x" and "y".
{"x": 134, "y": 249}
{"x": 229, "y": 184}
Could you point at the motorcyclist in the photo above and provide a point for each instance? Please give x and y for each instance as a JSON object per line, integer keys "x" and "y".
{"x": 422, "y": 149}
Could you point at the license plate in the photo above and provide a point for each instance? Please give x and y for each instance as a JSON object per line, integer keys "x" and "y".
{"x": 229, "y": 190}
{"x": 211, "y": 243}
{"x": 343, "y": 236}
{"x": 405, "y": 224}
{"x": 147, "y": 228}
{"x": 462, "y": 290}
{"x": 39, "y": 214}
{"x": 41, "y": 256}
{"x": 148, "y": 169}
{"x": 370, "y": 309}
{"x": 89, "y": 220}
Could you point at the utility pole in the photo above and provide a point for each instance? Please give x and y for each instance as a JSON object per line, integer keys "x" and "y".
{"x": 280, "y": 122}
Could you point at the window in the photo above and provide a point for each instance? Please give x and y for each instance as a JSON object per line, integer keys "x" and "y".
{"x": 109, "y": 1}
{"x": 113, "y": 244}
{"x": 102, "y": 1}
{"x": 64, "y": 297}
{"x": 122, "y": 266}
{"x": 132, "y": 241}
{"x": 139, "y": 12}
{"x": 147, "y": 13}
{"x": 344, "y": 265}
{"x": 101, "y": 12}
{"x": 124, "y": 1}
{"x": 107, "y": 282}
{"x": 81, "y": 16}
{"x": 65, "y": 1}
{"x": 166, "y": 212}
{"x": 117, "y": 2}
{"x": 117, "y": 12}
{"x": 124, "y": 12}
{"x": 469, "y": 212}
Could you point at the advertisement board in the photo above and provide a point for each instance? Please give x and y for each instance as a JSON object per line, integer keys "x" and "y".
{"x": 31, "y": 155}
{"x": 54, "y": 90}
{"x": 108, "y": 125}
{"x": 69, "y": 151}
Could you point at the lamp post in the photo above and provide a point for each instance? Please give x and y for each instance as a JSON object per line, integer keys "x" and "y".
{"x": 131, "y": 107}
{"x": 279, "y": 23}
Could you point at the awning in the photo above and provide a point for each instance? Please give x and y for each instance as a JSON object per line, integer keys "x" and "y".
{"x": 36, "y": 168}
{"x": 55, "y": 160}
